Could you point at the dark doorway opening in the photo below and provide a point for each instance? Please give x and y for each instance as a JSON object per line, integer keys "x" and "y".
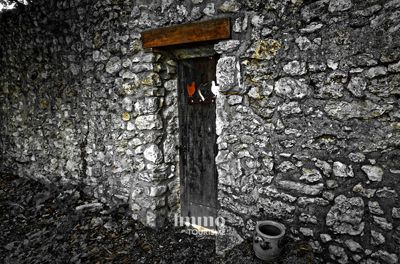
{"x": 197, "y": 128}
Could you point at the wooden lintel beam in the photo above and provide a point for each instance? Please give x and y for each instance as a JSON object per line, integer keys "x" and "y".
{"x": 217, "y": 29}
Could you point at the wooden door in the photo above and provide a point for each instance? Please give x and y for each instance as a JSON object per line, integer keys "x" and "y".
{"x": 198, "y": 149}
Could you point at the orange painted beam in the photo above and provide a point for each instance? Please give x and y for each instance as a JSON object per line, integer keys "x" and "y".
{"x": 217, "y": 29}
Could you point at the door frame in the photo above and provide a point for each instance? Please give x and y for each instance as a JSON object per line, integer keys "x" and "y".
{"x": 180, "y": 55}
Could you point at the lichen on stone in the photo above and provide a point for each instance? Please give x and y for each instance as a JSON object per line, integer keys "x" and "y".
{"x": 126, "y": 116}
{"x": 266, "y": 49}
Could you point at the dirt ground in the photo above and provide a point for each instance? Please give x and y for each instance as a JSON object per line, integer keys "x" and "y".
{"x": 43, "y": 224}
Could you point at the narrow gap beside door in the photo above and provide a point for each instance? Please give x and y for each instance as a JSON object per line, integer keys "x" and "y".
{"x": 197, "y": 137}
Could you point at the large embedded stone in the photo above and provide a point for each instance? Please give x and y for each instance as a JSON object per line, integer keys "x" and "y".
{"x": 148, "y": 105}
{"x": 369, "y": 193}
{"x": 228, "y": 170}
{"x": 262, "y": 91}
{"x": 302, "y": 188}
{"x": 274, "y": 193}
{"x": 257, "y": 21}
{"x": 153, "y": 153}
{"x": 386, "y": 192}
{"x": 130, "y": 126}
{"x": 307, "y": 218}
{"x": 374, "y": 208}
{"x": 339, "y": 5}
{"x": 129, "y": 75}
{"x": 386, "y": 256}
{"x": 331, "y": 90}
{"x": 394, "y": 67}
{"x": 353, "y": 245}
{"x": 209, "y": 10}
{"x": 99, "y": 56}
{"x": 325, "y": 238}
{"x": 341, "y": 170}
{"x": 126, "y": 116}
{"x": 290, "y": 108}
{"x": 145, "y": 57}
{"x": 268, "y": 162}
{"x": 127, "y": 104}
{"x": 130, "y": 87}
{"x": 169, "y": 147}
{"x": 148, "y": 122}
{"x": 266, "y": 49}
{"x": 142, "y": 67}
{"x": 71, "y": 165}
{"x": 377, "y": 238}
{"x": 339, "y": 254}
{"x": 374, "y": 173}
{"x": 157, "y": 190}
{"x": 295, "y": 68}
{"x": 75, "y": 69}
{"x": 314, "y": 9}
{"x": 234, "y": 99}
{"x": 345, "y": 216}
{"x": 324, "y": 166}
{"x": 305, "y": 231}
{"x": 230, "y": 6}
{"x": 304, "y": 43}
{"x": 126, "y": 63}
{"x": 331, "y": 184}
{"x": 396, "y": 213}
{"x": 382, "y": 223}
{"x": 311, "y": 175}
{"x": 226, "y": 71}
{"x": 357, "y": 86}
{"x": 114, "y": 65}
{"x": 226, "y": 46}
{"x": 291, "y": 88}
{"x": 356, "y": 157}
{"x": 376, "y": 72}
{"x": 276, "y": 208}
{"x": 171, "y": 85}
{"x": 262, "y": 179}
{"x": 151, "y": 79}
{"x": 307, "y": 201}
{"x": 286, "y": 166}
{"x": 342, "y": 110}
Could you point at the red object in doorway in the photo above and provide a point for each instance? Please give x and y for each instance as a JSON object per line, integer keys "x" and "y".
{"x": 191, "y": 89}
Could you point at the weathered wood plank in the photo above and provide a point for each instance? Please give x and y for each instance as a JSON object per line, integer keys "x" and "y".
{"x": 197, "y": 133}
{"x": 217, "y": 29}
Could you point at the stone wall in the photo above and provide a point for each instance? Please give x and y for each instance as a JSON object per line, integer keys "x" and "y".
{"x": 83, "y": 104}
{"x": 308, "y": 118}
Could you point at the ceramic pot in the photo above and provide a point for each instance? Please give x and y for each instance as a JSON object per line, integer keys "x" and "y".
{"x": 267, "y": 242}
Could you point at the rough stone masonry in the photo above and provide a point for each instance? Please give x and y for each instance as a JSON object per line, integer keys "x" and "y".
{"x": 308, "y": 115}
